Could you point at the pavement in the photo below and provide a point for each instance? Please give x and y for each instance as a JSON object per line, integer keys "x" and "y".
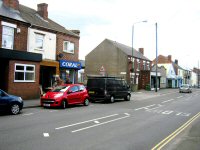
{"x": 188, "y": 139}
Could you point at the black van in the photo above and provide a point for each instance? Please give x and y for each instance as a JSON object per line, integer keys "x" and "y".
{"x": 108, "y": 88}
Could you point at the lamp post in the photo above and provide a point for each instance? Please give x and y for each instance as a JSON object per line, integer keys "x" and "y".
{"x": 156, "y": 56}
{"x": 132, "y": 44}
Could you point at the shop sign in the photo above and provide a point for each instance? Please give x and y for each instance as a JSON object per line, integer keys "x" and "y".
{"x": 70, "y": 64}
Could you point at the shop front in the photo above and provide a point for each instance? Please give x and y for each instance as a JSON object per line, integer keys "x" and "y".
{"x": 69, "y": 70}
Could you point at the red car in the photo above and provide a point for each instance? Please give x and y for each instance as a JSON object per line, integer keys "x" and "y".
{"x": 64, "y": 95}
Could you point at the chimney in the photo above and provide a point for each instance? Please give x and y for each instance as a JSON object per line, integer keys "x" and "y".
{"x": 176, "y": 61}
{"x": 141, "y": 50}
{"x": 14, "y": 4}
{"x": 43, "y": 10}
{"x": 169, "y": 58}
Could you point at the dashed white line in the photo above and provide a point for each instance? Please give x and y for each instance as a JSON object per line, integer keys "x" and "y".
{"x": 99, "y": 124}
{"x": 85, "y": 121}
{"x": 145, "y": 107}
{"x": 168, "y": 100}
{"x": 28, "y": 114}
{"x": 180, "y": 97}
{"x": 46, "y": 134}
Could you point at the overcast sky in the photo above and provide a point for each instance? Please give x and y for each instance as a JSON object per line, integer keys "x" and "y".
{"x": 178, "y": 24}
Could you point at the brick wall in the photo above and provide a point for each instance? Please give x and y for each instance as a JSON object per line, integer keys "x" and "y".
{"x": 20, "y": 39}
{"x": 59, "y": 47}
{"x": 27, "y": 90}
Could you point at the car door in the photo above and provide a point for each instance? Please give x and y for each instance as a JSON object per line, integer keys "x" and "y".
{"x": 73, "y": 95}
{"x": 3, "y": 101}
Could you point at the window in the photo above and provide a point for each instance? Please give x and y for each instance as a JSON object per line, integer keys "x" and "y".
{"x": 138, "y": 64}
{"x": 68, "y": 47}
{"x": 24, "y": 73}
{"x": 74, "y": 89}
{"x": 7, "y": 37}
{"x": 144, "y": 65}
{"x": 39, "y": 41}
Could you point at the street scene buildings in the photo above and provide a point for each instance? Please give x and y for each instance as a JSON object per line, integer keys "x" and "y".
{"x": 34, "y": 50}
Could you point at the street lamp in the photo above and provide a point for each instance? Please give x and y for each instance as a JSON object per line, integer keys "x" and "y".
{"x": 132, "y": 44}
{"x": 156, "y": 55}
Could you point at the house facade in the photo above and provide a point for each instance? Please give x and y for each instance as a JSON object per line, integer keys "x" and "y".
{"x": 19, "y": 68}
{"x": 50, "y": 49}
{"x": 111, "y": 58}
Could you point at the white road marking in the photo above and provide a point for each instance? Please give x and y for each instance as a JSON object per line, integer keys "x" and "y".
{"x": 28, "y": 114}
{"x": 53, "y": 110}
{"x": 146, "y": 107}
{"x": 179, "y": 96}
{"x": 46, "y": 134}
{"x": 84, "y": 122}
{"x": 127, "y": 114}
{"x": 99, "y": 124}
{"x": 168, "y": 100}
{"x": 96, "y": 121}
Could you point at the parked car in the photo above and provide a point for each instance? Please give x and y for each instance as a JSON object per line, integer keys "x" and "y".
{"x": 185, "y": 88}
{"x": 108, "y": 89}
{"x": 64, "y": 95}
{"x": 10, "y": 103}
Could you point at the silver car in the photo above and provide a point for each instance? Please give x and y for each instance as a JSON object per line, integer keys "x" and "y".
{"x": 185, "y": 88}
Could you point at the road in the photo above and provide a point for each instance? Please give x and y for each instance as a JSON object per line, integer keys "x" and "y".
{"x": 149, "y": 121}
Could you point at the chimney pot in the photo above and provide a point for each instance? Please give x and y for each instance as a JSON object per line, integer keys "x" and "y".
{"x": 141, "y": 50}
{"x": 42, "y": 10}
{"x": 14, "y": 4}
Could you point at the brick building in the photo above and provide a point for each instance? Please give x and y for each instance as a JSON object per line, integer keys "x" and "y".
{"x": 35, "y": 46}
{"x": 115, "y": 59}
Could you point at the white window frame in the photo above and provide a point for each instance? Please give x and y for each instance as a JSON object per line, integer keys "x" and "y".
{"x": 42, "y": 39}
{"x": 68, "y": 50}
{"x": 10, "y": 35}
{"x": 25, "y": 71}
{"x": 138, "y": 64}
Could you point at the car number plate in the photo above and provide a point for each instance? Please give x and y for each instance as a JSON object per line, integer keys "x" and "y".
{"x": 91, "y": 92}
{"x": 47, "y": 105}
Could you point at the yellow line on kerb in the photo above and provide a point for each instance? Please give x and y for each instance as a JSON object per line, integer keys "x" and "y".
{"x": 175, "y": 133}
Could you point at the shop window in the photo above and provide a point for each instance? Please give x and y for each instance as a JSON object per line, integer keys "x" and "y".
{"x": 7, "y": 37}
{"x": 68, "y": 47}
{"x": 24, "y": 73}
{"x": 39, "y": 41}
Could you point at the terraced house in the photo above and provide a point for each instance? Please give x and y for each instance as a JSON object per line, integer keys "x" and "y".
{"x": 34, "y": 49}
{"x": 111, "y": 58}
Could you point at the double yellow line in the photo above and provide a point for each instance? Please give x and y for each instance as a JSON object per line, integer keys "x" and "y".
{"x": 160, "y": 145}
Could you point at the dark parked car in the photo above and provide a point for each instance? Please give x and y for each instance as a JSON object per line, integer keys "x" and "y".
{"x": 108, "y": 89}
{"x": 64, "y": 95}
{"x": 10, "y": 103}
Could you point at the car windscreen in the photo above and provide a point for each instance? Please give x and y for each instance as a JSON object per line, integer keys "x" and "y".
{"x": 96, "y": 83}
{"x": 60, "y": 89}
{"x": 185, "y": 86}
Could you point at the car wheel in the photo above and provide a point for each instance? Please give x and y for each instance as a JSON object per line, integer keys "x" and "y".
{"x": 128, "y": 98}
{"x": 15, "y": 109}
{"x": 86, "y": 102}
{"x": 112, "y": 99}
{"x": 63, "y": 104}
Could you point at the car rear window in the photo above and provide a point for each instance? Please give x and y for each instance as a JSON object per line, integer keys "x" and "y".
{"x": 60, "y": 89}
{"x": 92, "y": 83}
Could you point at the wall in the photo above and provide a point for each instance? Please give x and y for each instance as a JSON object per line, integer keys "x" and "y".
{"x": 105, "y": 54}
{"x": 27, "y": 90}
{"x": 49, "y": 51}
{"x": 60, "y": 38}
{"x": 18, "y": 37}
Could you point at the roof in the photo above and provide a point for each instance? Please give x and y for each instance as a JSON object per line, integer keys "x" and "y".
{"x": 128, "y": 50}
{"x": 31, "y": 16}
{"x": 10, "y": 13}
{"x": 28, "y": 15}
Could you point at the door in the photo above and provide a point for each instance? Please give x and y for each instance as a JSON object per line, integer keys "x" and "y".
{"x": 73, "y": 95}
{"x": 3, "y": 101}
